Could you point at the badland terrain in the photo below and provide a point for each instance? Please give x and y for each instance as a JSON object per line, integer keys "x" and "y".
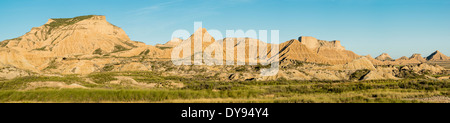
{"x": 88, "y": 59}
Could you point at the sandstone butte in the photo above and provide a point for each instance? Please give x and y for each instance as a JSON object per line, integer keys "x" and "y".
{"x": 437, "y": 56}
{"x": 384, "y": 57}
{"x": 87, "y": 44}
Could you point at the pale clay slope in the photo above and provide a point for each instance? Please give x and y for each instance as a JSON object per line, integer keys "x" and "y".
{"x": 357, "y": 64}
{"x": 70, "y": 49}
{"x": 82, "y": 37}
{"x": 384, "y": 57}
{"x": 38, "y": 48}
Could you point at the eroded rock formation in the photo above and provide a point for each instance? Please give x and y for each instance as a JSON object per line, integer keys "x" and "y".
{"x": 88, "y": 44}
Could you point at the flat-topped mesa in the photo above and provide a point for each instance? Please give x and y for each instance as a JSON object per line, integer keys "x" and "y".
{"x": 70, "y": 36}
{"x": 333, "y": 51}
{"x": 309, "y": 49}
{"x": 384, "y": 57}
{"x": 76, "y": 19}
{"x": 437, "y": 56}
{"x": 313, "y": 44}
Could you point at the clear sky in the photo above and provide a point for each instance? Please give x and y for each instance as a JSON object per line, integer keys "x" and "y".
{"x": 397, "y": 27}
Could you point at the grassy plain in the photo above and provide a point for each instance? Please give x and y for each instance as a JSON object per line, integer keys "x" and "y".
{"x": 167, "y": 89}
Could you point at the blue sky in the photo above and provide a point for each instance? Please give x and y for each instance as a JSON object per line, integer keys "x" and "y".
{"x": 397, "y": 27}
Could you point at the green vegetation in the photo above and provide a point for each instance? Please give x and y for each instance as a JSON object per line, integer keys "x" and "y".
{"x": 359, "y": 74}
{"x": 130, "y": 44}
{"x": 51, "y": 65}
{"x": 410, "y": 74}
{"x": 101, "y": 78}
{"x": 108, "y": 67}
{"x": 119, "y": 48}
{"x": 20, "y": 83}
{"x": 19, "y": 38}
{"x": 437, "y": 76}
{"x": 241, "y": 68}
{"x": 203, "y": 89}
{"x": 144, "y": 52}
{"x": 163, "y": 48}
{"x": 260, "y": 66}
{"x": 102, "y": 95}
{"x": 66, "y": 21}
{"x": 98, "y": 51}
{"x": 41, "y": 49}
{"x": 4, "y": 43}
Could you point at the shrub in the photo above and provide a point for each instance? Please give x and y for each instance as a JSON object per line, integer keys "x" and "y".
{"x": 21, "y": 82}
{"x": 410, "y": 74}
{"x": 240, "y": 69}
{"x": 260, "y": 66}
{"x": 98, "y": 51}
{"x": 144, "y": 52}
{"x": 4, "y": 43}
{"x": 163, "y": 48}
{"x": 359, "y": 74}
{"x": 102, "y": 78}
{"x": 51, "y": 65}
{"x": 41, "y": 49}
{"x": 65, "y": 21}
{"x": 129, "y": 44}
{"x": 108, "y": 67}
{"x": 119, "y": 48}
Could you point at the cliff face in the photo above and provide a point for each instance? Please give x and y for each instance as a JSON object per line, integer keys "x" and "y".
{"x": 315, "y": 44}
{"x": 310, "y": 49}
{"x": 235, "y": 50}
{"x": 295, "y": 50}
{"x": 12, "y": 57}
{"x": 72, "y": 36}
{"x": 64, "y": 37}
{"x": 307, "y": 49}
{"x": 87, "y": 44}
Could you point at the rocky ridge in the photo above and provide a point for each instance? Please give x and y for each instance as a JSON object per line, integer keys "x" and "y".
{"x": 89, "y": 44}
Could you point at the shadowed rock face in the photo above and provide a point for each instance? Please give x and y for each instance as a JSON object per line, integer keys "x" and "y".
{"x": 437, "y": 56}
